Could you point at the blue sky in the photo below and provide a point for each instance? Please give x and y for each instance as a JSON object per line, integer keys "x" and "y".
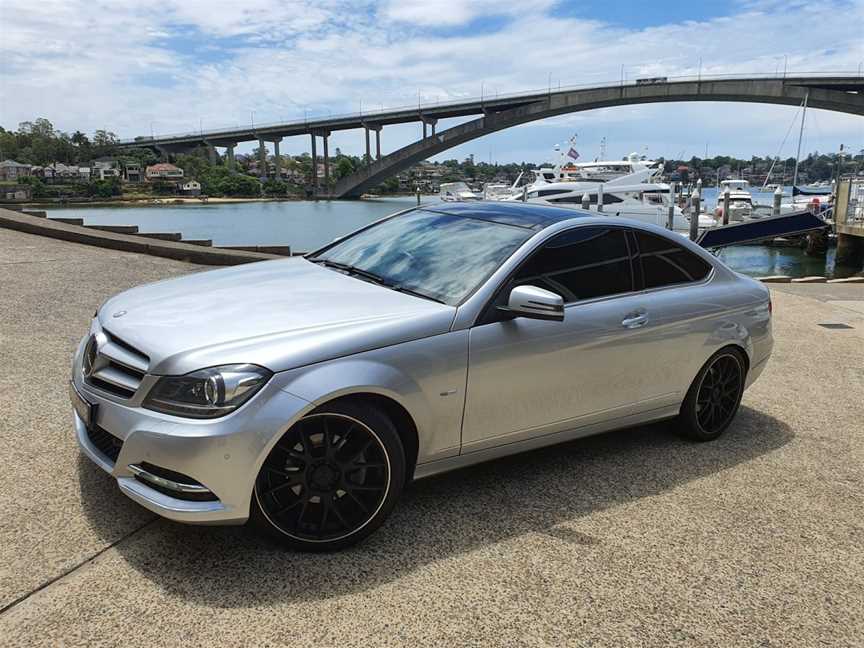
{"x": 182, "y": 64}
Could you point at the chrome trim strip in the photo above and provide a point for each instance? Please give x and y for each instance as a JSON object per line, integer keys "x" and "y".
{"x": 121, "y": 356}
{"x": 117, "y": 378}
{"x": 166, "y": 483}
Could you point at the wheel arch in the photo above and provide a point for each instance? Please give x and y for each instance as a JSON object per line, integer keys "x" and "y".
{"x": 740, "y": 348}
{"x": 401, "y": 418}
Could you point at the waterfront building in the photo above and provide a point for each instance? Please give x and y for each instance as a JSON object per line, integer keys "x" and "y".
{"x": 163, "y": 171}
{"x": 12, "y": 170}
{"x": 104, "y": 168}
{"x": 191, "y": 188}
{"x": 132, "y": 172}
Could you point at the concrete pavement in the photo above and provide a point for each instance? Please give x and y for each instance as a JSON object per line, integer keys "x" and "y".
{"x": 632, "y": 538}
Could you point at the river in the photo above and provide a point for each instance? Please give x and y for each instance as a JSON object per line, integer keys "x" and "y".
{"x": 306, "y": 225}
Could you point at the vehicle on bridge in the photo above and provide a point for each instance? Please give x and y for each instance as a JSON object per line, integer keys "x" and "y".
{"x": 652, "y": 80}
{"x": 305, "y": 393}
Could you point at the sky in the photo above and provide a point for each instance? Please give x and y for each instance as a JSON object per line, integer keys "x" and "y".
{"x": 179, "y": 65}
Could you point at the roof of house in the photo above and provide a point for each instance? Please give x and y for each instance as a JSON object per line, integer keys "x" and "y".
{"x": 13, "y": 163}
{"x": 163, "y": 166}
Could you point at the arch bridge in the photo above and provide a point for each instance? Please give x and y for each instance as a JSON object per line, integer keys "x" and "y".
{"x": 841, "y": 93}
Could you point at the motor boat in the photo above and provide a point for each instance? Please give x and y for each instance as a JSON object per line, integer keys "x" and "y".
{"x": 457, "y": 192}
{"x": 646, "y": 202}
{"x": 568, "y": 170}
{"x": 498, "y": 191}
{"x": 740, "y": 200}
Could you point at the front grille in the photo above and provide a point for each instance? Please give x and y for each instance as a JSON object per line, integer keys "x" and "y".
{"x": 117, "y": 367}
{"x": 105, "y": 442}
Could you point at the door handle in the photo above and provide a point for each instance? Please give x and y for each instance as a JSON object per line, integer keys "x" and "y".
{"x": 635, "y": 320}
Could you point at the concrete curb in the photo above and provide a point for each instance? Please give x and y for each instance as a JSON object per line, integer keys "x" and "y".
{"x": 847, "y": 280}
{"x": 128, "y": 242}
{"x": 810, "y": 279}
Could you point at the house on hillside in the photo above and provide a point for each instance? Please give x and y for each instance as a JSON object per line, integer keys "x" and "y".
{"x": 191, "y": 188}
{"x": 12, "y": 170}
{"x": 163, "y": 171}
{"x": 104, "y": 168}
{"x": 132, "y": 172}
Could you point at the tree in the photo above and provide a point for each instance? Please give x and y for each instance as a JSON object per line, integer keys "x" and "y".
{"x": 104, "y": 188}
{"x": 273, "y": 187}
{"x": 344, "y": 167}
{"x": 37, "y": 187}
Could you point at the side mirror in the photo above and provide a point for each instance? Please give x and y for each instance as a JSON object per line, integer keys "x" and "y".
{"x": 535, "y": 303}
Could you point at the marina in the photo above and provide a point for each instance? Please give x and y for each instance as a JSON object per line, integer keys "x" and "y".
{"x": 306, "y": 225}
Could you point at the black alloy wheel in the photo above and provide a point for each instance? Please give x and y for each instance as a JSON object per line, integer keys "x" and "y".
{"x": 332, "y": 478}
{"x": 714, "y": 397}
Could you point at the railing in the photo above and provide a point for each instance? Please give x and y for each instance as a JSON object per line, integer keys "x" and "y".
{"x": 482, "y": 98}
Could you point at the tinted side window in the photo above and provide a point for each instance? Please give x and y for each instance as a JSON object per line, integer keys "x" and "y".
{"x": 582, "y": 263}
{"x": 665, "y": 262}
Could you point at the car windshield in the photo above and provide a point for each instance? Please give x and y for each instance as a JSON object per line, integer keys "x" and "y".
{"x": 437, "y": 256}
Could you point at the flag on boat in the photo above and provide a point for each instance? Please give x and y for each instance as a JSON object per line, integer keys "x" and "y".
{"x": 573, "y": 153}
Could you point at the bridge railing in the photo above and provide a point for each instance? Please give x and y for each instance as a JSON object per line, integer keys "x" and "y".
{"x": 420, "y": 106}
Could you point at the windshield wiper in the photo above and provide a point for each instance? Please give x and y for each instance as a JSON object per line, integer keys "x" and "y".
{"x": 375, "y": 278}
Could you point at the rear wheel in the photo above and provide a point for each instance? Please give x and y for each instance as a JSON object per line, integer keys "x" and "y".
{"x": 714, "y": 397}
{"x": 332, "y": 479}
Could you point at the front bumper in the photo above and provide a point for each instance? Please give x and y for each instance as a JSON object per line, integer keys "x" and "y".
{"x": 223, "y": 454}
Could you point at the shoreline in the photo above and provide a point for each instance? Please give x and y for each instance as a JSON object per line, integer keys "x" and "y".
{"x": 184, "y": 200}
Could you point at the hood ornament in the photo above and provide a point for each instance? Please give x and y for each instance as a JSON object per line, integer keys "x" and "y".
{"x": 120, "y": 313}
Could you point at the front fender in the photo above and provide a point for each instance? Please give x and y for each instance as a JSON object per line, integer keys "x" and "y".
{"x": 426, "y": 377}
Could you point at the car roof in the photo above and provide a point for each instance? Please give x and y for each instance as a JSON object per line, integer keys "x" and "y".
{"x": 519, "y": 214}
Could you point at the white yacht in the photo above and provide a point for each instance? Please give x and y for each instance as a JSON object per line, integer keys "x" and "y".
{"x": 740, "y": 200}
{"x": 643, "y": 201}
{"x": 568, "y": 170}
{"x": 457, "y": 192}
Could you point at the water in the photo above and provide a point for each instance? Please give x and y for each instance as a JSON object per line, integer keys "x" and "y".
{"x": 304, "y": 225}
{"x": 307, "y": 225}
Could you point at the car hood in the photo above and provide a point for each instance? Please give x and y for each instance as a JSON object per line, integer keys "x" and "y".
{"x": 278, "y": 314}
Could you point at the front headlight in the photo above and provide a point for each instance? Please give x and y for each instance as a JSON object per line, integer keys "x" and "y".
{"x": 208, "y": 393}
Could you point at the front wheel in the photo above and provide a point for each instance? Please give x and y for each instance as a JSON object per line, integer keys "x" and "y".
{"x": 714, "y": 397}
{"x": 332, "y": 479}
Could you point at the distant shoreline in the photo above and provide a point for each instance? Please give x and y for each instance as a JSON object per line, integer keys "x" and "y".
{"x": 185, "y": 200}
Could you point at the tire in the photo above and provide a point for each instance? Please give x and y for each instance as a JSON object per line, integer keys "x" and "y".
{"x": 714, "y": 397}
{"x": 331, "y": 480}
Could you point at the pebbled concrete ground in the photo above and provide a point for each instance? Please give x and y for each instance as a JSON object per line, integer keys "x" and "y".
{"x": 634, "y": 538}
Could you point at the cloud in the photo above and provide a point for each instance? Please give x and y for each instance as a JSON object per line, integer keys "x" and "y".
{"x": 184, "y": 64}
{"x": 438, "y": 13}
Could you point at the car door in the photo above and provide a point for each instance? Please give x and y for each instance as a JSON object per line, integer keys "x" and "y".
{"x": 686, "y": 321}
{"x": 527, "y": 375}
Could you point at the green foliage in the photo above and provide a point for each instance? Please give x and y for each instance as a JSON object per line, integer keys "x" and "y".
{"x": 344, "y": 166}
{"x": 240, "y": 185}
{"x": 104, "y": 188}
{"x": 163, "y": 187}
{"x": 37, "y": 187}
{"x": 273, "y": 187}
{"x": 38, "y": 143}
{"x": 390, "y": 185}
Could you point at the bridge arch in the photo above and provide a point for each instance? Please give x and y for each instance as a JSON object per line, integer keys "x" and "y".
{"x": 836, "y": 94}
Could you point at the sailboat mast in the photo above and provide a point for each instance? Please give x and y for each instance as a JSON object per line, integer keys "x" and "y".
{"x": 800, "y": 136}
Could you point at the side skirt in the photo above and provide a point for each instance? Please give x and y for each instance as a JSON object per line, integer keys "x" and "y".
{"x": 479, "y": 456}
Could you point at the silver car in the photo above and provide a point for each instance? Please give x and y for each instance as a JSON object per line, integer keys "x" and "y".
{"x": 304, "y": 393}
